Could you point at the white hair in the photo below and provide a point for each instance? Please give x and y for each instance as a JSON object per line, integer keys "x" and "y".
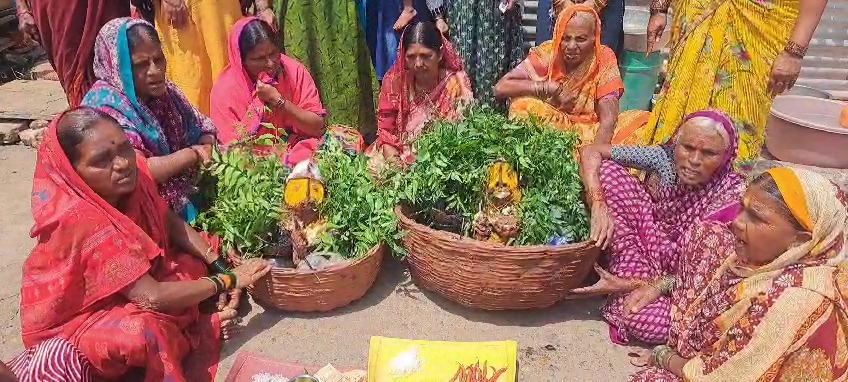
{"x": 709, "y": 123}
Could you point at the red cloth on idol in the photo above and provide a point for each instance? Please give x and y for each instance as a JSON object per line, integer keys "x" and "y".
{"x": 235, "y": 108}
{"x": 87, "y": 252}
{"x": 68, "y": 29}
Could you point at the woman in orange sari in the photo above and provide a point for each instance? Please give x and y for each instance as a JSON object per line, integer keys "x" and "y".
{"x": 572, "y": 83}
{"x": 426, "y": 83}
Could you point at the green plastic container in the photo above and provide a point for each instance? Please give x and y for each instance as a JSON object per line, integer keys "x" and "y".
{"x": 640, "y": 75}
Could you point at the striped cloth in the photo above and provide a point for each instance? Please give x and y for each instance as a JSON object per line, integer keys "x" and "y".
{"x": 54, "y": 360}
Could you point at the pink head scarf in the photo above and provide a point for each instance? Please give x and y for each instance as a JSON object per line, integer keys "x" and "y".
{"x": 234, "y": 106}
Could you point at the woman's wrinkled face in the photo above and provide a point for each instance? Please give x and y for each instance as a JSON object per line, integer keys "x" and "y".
{"x": 423, "y": 62}
{"x": 106, "y": 162}
{"x": 578, "y": 41}
{"x": 763, "y": 229}
{"x": 264, "y": 57}
{"x": 698, "y": 153}
{"x": 149, "y": 68}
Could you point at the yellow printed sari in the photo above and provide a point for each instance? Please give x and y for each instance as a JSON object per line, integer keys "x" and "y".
{"x": 197, "y": 53}
{"x": 597, "y": 78}
{"x": 721, "y": 57}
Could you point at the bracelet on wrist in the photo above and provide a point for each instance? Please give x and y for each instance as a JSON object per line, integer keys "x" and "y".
{"x": 661, "y": 356}
{"x": 25, "y": 12}
{"x": 219, "y": 265}
{"x": 659, "y": 6}
{"x": 664, "y": 285}
{"x": 595, "y": 196}
{"x": 229, "y": 280}
{"x": 216, "y": 282}
{"x": 795, "y": 49}
{"x": 280, "y": 103}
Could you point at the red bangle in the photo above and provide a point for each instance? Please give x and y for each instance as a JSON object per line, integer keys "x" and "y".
{"x": 24, "y": 13}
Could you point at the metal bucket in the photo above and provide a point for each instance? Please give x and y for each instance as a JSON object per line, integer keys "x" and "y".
{"x": 636, "y": 30}
{"x": 802, "y": 90}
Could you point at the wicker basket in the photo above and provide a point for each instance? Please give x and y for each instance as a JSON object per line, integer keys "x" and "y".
{"x": 322, "y": 290}
{"x": 486, "y": 276}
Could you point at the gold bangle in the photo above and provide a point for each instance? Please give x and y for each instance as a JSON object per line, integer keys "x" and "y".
{"x": 795, "y": 49}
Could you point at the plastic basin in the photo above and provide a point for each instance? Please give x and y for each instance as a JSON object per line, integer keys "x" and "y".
{"x": 806, "y": 130}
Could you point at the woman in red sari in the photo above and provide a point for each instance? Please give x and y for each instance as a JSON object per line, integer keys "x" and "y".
{"x": 115, "y": 272}
{"x": 67, "y": 30}
{"x": 426, "y": 83}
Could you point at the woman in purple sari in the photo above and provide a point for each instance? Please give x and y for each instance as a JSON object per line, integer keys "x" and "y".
{"x": 688, "y": 180}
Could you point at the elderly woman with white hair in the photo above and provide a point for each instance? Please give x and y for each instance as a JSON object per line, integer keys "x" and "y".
{"x": 572, "y": 83}
{"x": 689, "y": 179}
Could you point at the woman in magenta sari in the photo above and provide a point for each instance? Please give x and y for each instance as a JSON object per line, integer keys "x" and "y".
{"x": 426, "y": 83}
{"x": 689, "y": 179}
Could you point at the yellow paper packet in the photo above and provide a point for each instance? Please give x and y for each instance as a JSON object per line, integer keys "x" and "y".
{"x": 400, "y": 360}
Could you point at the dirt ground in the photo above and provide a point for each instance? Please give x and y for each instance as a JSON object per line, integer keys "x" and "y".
{"x": 567, "y": 342}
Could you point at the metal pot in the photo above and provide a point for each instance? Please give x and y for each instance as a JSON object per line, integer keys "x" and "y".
{"x": 802, "y": 90}
{"x": 304, "y": 378}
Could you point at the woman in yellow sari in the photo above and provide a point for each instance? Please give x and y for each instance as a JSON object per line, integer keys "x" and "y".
{"x": 572, "y": 83}
{"x": 194, "y": 36}
{"x": 733, "y": 55}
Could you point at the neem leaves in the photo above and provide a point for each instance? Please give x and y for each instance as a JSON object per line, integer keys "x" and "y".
{"x": 452, "y": 159}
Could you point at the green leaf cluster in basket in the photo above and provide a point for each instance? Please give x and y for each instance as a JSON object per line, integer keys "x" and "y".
{"x": 247, "y": 206}
{"x": 452, "y": 162}
{"x": 360, "y": 211}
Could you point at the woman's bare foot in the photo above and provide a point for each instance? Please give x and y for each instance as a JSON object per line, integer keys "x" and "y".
{"x": 229, "y": 300}
{"x": 405, "y": 18}
{"x": 229, "y": 323}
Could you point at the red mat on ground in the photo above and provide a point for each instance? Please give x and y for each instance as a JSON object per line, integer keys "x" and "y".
{"x": 248, "y": 364}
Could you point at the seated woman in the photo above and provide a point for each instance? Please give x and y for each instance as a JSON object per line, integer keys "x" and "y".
{"x": 690, "y": 179}
{"x": 426, "y": 83}
{"x": 765, "y": 298}
{"x": 159, "y": 121}
{"x": 115, "y": 272}
{"x": 572, "y": 82}
{"x": 263, "y": 91}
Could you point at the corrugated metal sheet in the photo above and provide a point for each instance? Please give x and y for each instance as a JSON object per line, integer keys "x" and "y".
{"x": 529, "y": 22}
{"x": 826, "y": 64}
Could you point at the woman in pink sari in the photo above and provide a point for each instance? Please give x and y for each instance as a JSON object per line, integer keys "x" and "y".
{"x": 641, "y": 223}
{"x": 263, "y": 91}
{"x": 426, "y": 83}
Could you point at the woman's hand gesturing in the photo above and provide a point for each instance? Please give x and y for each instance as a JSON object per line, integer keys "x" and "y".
{"x": 602, "y": 225}
{"x": 267, "y": 93}
{"x": 656, "y": 27}
{"x": 249, "y": 271}
{"x": 784, "y": 73}
{"x": 640, "y": 298}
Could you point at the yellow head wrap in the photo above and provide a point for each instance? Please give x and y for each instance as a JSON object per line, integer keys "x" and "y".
{"x": 793, "y": 194}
